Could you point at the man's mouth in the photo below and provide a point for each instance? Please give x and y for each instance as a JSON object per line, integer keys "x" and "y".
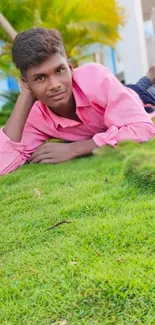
{"x": 57, "y": 96}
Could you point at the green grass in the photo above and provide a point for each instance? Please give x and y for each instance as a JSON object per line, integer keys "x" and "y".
{"x": 110, "y": 200}
{"x": 4, "y": 115}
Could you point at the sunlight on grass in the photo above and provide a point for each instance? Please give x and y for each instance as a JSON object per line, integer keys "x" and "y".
{"x": 98, "y": 269}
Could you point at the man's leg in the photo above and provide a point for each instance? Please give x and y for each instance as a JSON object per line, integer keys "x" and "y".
{"x": 151, "y": 74}
{"x": 144, "y": 82}
{"x": 148, "y": 81}
{"x": 145, "y": 88}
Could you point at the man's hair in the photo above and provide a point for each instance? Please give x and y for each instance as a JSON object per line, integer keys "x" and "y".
{"x": 34, "y": 46}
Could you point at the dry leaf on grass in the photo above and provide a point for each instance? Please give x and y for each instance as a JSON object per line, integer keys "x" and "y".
{"x": 63, "y": 322}
{"x": 99, "y": 253}
{"x": 73, "y": 263}
{"x": 119, "y": 260}
{"x": 37, "y": 192}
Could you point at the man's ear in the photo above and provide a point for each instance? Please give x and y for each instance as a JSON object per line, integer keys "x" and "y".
{"x": 70, "y": 66}
{"x": 24, "y": 83}
{"x": 23, "y": 78}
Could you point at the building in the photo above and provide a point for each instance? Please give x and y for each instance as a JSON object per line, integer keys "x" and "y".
{"x": 136, "y": 52}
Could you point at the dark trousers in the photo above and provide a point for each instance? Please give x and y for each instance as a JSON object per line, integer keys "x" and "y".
{"x": 142, "y": 88}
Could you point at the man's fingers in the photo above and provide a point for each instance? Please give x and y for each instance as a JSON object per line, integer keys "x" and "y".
{"x": 40, "y": 157}
{"x": 41, "y": 150}
{"x": 47, "y": 161}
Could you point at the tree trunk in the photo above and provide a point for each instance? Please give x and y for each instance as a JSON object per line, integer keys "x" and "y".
{"x": 7, "y": 27}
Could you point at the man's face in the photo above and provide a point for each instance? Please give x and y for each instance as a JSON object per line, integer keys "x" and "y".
{"x": 51, "y": 82}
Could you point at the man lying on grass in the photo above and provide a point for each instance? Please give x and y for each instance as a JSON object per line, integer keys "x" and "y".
{"x": 87, "y": 106}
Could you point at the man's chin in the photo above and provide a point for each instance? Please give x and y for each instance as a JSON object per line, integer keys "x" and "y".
{"x": 57, "y": 103}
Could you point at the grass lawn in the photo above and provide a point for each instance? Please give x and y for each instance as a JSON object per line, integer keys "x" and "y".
{"x": 99, "y": 269}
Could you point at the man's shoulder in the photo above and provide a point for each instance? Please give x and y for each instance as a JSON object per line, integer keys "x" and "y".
{"x": 90, "y": 75}
{"x": 90, "y": 69}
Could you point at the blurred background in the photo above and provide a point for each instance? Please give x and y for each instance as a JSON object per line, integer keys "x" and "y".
{"x": 118, "y": 34}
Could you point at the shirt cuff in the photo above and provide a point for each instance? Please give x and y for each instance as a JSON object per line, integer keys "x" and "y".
{"x": 108, "y": 137}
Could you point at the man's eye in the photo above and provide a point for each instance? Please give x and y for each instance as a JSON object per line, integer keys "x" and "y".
{"x": 41, "y": 78}
{"x": 61, "y": 70}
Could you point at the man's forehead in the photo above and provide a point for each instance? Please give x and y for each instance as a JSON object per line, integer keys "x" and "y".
{"x": 51, "y": 63}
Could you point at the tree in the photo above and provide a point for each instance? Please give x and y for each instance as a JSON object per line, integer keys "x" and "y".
{"x": 81, "y": 23}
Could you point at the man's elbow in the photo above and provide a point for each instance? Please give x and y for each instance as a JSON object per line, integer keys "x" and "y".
{"x": 3, "y": 172}
{"x": 7, "y": 167}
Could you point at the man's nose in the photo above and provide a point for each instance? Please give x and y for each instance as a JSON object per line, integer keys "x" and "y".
{"x": 53, "y": 84}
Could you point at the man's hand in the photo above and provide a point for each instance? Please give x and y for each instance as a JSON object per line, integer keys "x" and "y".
{"x": 26, "y": 90}
{"x": 52, "y": 153}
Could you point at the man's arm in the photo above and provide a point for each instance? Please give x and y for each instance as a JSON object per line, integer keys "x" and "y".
{"x": 15, "y": 154}
{"x": 15, "y": 124}
{"x": 53, "y": 153}
{"x": 124, "y": 114}
{"x": 83, "y": 148}
{"x": 18, "y": 138}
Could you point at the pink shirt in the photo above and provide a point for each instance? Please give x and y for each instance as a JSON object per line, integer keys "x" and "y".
{"x": 109, "y": 112}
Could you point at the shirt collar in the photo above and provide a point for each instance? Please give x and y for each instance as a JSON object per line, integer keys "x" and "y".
{"x": 80, "y": 98}
{"x": 61, "y": 121}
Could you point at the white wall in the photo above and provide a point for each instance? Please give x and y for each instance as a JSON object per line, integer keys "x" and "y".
{"x": 134, "y": 54}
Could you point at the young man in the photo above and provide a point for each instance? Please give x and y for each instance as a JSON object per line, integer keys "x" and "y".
{"x": 87, "y": 106}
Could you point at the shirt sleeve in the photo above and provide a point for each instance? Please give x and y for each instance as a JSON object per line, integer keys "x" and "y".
{"x": 123, "y": 112}
{"x": 15, "y": 154}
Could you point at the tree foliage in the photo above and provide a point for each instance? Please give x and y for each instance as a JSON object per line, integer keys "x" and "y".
{"x": 81, "y": 23}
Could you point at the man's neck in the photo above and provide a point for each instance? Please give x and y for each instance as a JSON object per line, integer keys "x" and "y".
{"x": 69, "y": 112}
